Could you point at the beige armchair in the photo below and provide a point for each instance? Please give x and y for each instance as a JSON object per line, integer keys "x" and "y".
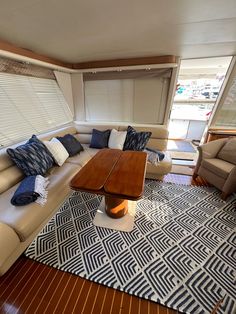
{"x": 217, "y": 165}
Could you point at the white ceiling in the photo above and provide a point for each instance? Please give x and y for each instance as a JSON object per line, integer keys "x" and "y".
{"x": 76, "y": 30}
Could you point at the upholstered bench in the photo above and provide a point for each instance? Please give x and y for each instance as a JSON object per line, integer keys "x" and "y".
{"x": 20, "y": 225}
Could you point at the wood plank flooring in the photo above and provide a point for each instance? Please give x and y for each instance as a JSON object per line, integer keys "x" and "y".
{"x": 31, "y": 287}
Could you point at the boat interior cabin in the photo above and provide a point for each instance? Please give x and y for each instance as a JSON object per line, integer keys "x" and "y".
{"x": 118, "y": 157}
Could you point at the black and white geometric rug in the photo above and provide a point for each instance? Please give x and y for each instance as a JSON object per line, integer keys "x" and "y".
{"x": 181, "y": 252}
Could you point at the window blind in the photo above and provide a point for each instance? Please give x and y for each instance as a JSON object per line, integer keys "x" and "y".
{"x": 29, "y": 105}
{"x": 141, "y": 100}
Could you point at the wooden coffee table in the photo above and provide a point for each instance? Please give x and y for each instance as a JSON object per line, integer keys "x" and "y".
{"x": 118, "y": 175}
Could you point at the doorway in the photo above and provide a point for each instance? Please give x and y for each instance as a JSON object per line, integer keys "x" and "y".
{"x": 198, "y": 87}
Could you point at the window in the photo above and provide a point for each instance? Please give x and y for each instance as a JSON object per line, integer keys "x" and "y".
{"x": 226, "y": 115}
{"x": 29, "y": 105}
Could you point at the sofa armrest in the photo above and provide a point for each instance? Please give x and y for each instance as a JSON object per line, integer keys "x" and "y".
{"x": 9, "y": 241}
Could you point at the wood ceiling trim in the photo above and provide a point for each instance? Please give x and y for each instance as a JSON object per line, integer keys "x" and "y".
{"x": 124, "y": 62}
{"x": 5, "y": 46}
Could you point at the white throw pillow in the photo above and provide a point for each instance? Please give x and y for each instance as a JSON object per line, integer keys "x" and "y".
{"x": 117, "y": 139}
{"x": 58, "y": 151}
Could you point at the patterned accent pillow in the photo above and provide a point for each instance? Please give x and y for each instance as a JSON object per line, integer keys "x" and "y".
{"x": 71, "y": 144}
{"x": 100, "y": 139}
{"x": 32, "y": 158}
{"x": 136, "y": 140}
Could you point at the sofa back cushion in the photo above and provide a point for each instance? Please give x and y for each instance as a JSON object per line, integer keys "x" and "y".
{"x": 9, "y": 177}
{"x": 228, "y": 151}
{"x": 158, "y": 139}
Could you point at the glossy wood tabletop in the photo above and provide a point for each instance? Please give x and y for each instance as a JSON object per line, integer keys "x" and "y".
{"x": 94, "y": 174}
{"x": 127, "y": 177}
{"x": 113, "y": 172}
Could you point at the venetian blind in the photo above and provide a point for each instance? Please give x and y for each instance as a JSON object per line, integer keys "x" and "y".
{"x": 29, "y": 105}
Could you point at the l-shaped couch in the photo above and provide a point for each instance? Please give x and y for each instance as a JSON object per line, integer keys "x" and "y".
{"x": 20, "y": 225}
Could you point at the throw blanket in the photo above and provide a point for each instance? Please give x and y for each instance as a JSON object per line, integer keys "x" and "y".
{"x": 31, "y": 189}
{"x": 154, "y": 156}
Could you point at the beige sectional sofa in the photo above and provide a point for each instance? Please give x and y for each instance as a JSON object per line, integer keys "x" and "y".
{"x": 20, "y": 225}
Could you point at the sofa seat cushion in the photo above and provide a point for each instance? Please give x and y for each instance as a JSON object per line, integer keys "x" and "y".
{"x": 163, "y": 167}
{"x": 83, "y": 157}
{"x": 220, "y": 167}
{"x": 25, "y": 219}
{"x": 80, "y": 159}
{"x": 90, "y": 151}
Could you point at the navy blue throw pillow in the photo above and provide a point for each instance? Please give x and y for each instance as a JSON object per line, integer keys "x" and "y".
{"x": 136, "y": 140}
{"x": 71, "y": 144}
{"x": 100, "y": 139}
{"x": 32, "y": 158}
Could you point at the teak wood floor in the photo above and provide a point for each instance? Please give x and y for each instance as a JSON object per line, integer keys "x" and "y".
{"x": 31, "y": 287}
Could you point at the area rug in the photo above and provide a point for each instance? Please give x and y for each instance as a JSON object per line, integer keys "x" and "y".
{"x": 180, "y": 253}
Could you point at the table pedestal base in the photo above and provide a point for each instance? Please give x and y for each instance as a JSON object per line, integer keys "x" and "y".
{"x": 116, "y": 207}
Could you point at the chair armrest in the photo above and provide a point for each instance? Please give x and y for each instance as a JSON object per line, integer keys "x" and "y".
{"x": 208, "y": 150}
{"x": 211, "y": 149}
{"x": 230, "y": 183}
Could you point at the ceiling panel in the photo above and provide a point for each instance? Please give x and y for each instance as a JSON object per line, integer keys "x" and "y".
{"x": 76, "y": 31}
